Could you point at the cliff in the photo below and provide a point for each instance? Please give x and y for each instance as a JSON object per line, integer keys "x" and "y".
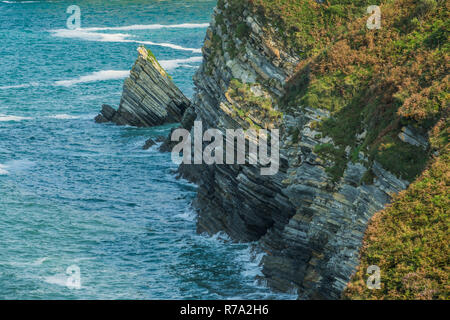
{"x": 341, "y": 135}
{"x": 361, "y": 113}
{"x": 310, "y": 226}
{"x": 149, "y": 96}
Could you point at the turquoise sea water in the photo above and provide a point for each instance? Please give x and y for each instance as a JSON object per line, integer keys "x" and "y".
{"x": 73, "y": 192}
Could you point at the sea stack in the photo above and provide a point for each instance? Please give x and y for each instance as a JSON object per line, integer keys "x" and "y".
{"x": 149, "y": 96}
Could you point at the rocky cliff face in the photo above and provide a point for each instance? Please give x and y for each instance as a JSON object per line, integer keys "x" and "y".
{"x": 149, "y": 96}
{"x": 309, "y": 223}
{"x": 310, "y": 226}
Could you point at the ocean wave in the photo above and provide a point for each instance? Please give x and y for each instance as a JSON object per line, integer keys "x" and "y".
{"x": 94, "y": 77}
{"x": 176, "y": 63}
{"x": 14, "y": 166}
{"x": 20, "y": 1}
{"x": 6, "y": 118}
{"x": 151, "y": 27}
{"x": 91, "y": 36}
{"x": 3, "y": 170}
{"x": 170, "y": 45}
{"x": 251, "y": 259}
{"x": 188, "y": 215}
{"x": 18, "y": 86}
{"x": 113, "y": 37}
{"x": 63, "y": 116}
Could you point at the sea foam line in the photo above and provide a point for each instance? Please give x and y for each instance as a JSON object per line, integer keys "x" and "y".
{"x": 63, "y": 116}
{"x": 85, "y": 34}
{"x": 12, "y": 2}
{"x": 175, "y": 63}
{"x": 102, "y": 75}
{"x": 95, "y": 76}
{"x": 6, "y": 118}
{"x": 151, "y": 27}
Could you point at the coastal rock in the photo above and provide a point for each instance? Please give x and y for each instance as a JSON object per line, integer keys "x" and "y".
{"x": 149, "y": 96}
{"x": 411, "y": 136}
{"x": 106, "y": 115}
{"x": 310, "y": 226}
{"x": 149, "y": 143}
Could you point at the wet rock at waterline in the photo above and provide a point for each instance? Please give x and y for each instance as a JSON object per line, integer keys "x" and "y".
{"x": 148, "y": 144}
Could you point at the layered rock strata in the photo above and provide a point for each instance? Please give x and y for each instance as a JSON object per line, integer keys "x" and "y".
{"x": 149, "y": 97}
{"x": 310, "y": 226}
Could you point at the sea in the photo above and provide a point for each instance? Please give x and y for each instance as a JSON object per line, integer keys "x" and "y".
{"x": 85, "y": 212}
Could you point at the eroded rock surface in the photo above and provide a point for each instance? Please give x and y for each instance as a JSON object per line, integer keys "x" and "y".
{"x": 149, "y": 97}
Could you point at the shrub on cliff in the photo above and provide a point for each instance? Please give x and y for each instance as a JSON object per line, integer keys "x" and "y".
{"x": 409, "y": 240}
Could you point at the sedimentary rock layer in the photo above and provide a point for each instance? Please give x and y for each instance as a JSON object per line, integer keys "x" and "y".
{"x": 310, "y": 226}
{"x": 149, "y": 97}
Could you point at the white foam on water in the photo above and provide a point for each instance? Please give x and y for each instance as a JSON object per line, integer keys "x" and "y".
{"x": 19, "y": 86}
{"x": 113, "y": 37}
{"x": 15, "y": 166}
{"x": 176, "y": 63}
{"x": 251, "y": 260}
{"x": 3, "y": 170}
{"x": 63, "y": 116}
{"x": 151, "y": 27}
{"x": 20, "y": 1}
{"x": 188, "y": 215}
{"x": 170, "y": 45}
{"x": 6, "y": 118}
{"x": 40, "y": 261}
{"x": 94, "y": 77}
{"x": 91, "y": 36}
{"x": 60, "y": 280}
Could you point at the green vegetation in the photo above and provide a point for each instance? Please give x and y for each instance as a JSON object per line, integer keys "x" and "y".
{"x": 252, "y": 104}
{"x": 152, "y": 58}
{"x": 307, "y": 26}
{"x": 409, "y": 241}
{"x": 335, "y": 154}
{"x": 379, "y": 81}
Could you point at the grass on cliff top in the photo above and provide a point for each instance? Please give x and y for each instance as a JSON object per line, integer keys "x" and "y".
{"x": 409, "y": 240}
{"x": 152, "y": 58}
{"x": 307, "y": 26}
{"x": 379, "y": 81}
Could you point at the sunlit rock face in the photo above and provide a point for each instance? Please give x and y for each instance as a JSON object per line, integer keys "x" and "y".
{"x": 149, "y": 97}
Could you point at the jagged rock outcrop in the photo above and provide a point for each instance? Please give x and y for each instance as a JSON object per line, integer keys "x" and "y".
{"x": 149, "y": 96}
{"x": 317, "y": 250}
{"x": 236, "y": 198}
